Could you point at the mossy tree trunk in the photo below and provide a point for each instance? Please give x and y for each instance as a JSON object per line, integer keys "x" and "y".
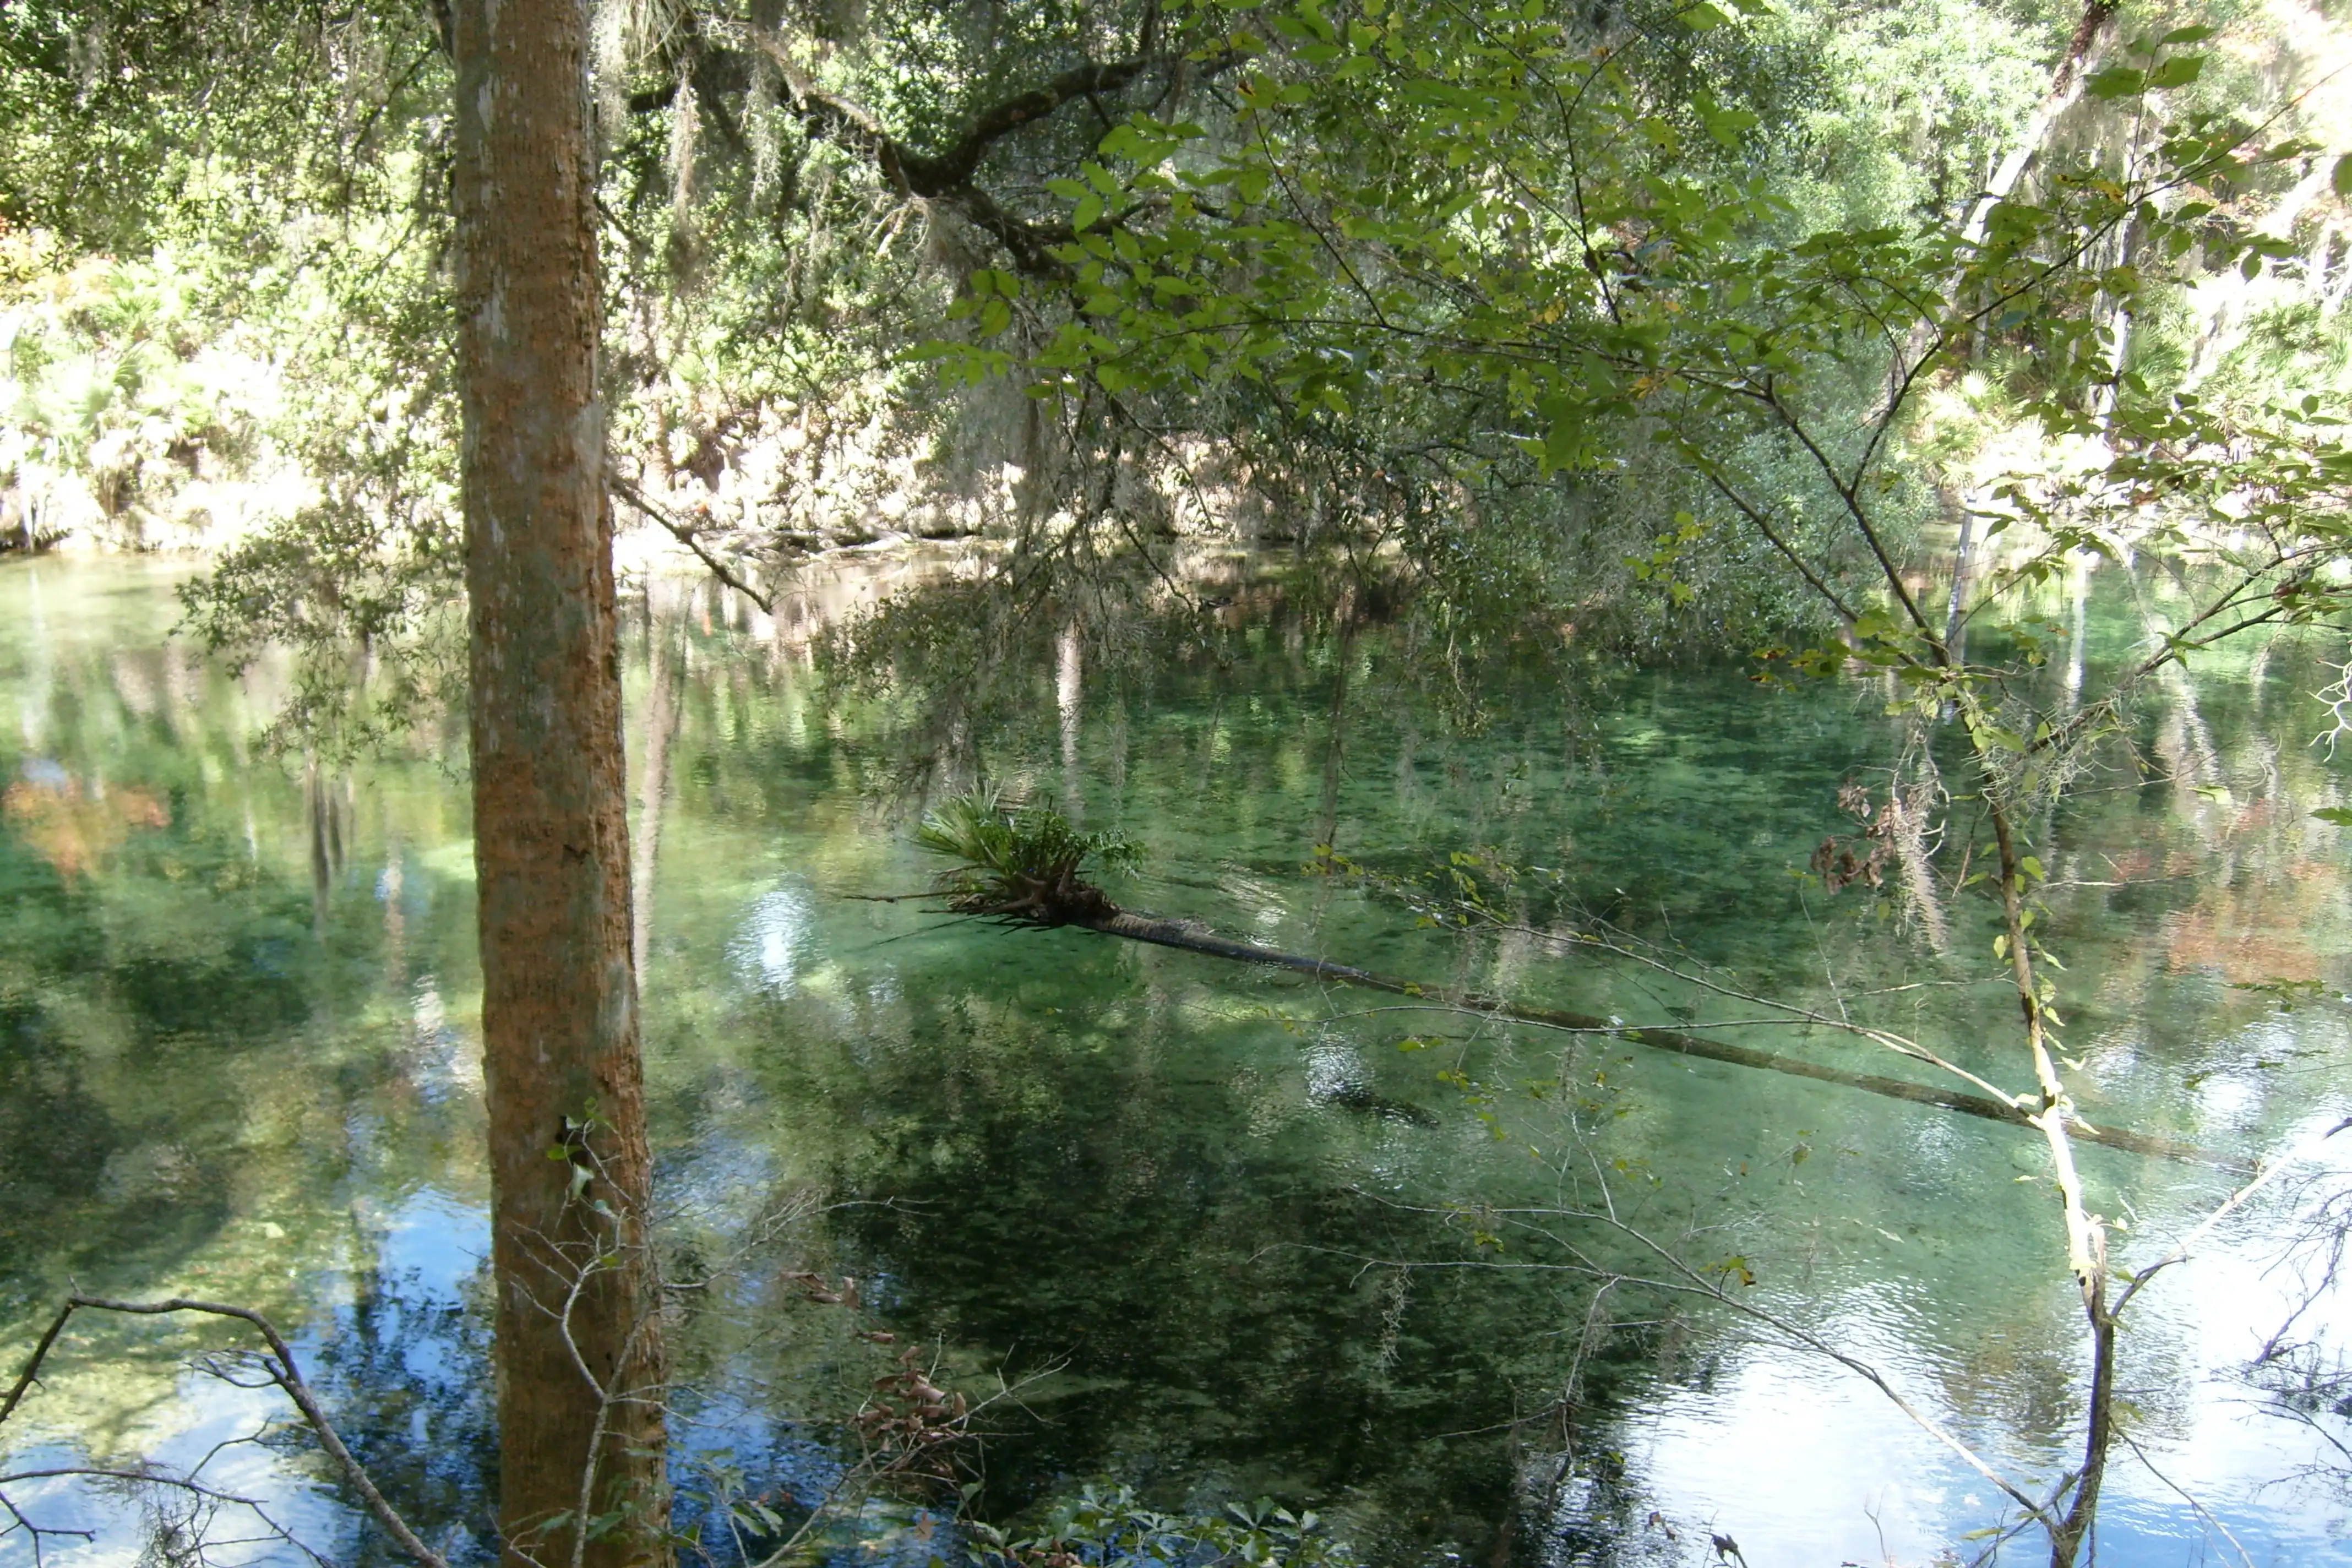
{"x": 580, "y": 1358}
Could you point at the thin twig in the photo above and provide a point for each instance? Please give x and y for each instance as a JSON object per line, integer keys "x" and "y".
{"x": 685, "y": 534}
{"x": 159, "y": 1478}
{"x": 2230, "y": 1206}
{"x": 2202, "y": 1511}
{"x": 287, "y": 1375}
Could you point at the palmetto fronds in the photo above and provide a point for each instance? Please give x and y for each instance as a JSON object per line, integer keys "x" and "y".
{"x": 1020, "y": 862}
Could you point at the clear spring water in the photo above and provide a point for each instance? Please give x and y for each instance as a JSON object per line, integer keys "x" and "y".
{"x": 1231, "y": 1233}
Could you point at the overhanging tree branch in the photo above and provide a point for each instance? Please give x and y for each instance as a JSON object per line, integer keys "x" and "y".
{"x": 944, "y": 175}
{"x": 684, "y": 532}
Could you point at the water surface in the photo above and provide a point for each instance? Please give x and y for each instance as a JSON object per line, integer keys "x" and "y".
{"x": 1230, "y": 1234}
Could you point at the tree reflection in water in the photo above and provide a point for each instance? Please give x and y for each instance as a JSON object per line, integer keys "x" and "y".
{"x": 235, "y": 1058}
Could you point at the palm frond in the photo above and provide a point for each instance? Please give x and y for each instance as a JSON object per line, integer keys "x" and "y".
{"x": 1020, "y": 862}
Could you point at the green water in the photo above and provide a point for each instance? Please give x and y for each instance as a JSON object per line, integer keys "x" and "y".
{"x": 1230, "y": 1232}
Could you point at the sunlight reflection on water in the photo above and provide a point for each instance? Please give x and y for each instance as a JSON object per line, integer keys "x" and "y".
{"x": 774, "y": 940}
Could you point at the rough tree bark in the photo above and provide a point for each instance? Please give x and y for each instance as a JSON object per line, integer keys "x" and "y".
{"x": 579, "y": 1360}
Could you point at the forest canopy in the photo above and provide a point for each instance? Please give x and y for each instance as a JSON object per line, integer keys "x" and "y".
{"x": 1472, "y": 301}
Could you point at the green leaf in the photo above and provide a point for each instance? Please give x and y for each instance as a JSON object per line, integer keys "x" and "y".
{"x": 2341, "y": 179}
{"x": 1561, "y": 440}
{"x": 2338, "y": 815}
{"x": 1703, "y": 19}
{"x": 2117, "y": 81}
{"x": 2178, "y": 71}
{"x": 1089, "y": 208}
{"x": 2186, "y": 36}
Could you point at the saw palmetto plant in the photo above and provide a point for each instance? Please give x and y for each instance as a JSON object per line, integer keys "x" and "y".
{"x": 1020, "y": 862}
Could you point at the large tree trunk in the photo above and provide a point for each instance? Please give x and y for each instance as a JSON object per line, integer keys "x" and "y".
{"x": 579, "y": 1359}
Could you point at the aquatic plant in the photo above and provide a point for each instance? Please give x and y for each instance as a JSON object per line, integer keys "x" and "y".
{"x": 1020, "y": 863}
{"x": 1111, "y": 1529}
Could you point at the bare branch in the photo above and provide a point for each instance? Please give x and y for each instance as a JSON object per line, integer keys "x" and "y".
{"x": 158, "y": 1478}
{"x": 2200, "y": 1508}
{"x": 2230, "y": 1206}
{"x": 287, "y": 1374}
{"x": 685, "y": 534}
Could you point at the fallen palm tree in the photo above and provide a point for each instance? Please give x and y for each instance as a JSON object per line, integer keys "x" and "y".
{"x": 1025, "y": 865}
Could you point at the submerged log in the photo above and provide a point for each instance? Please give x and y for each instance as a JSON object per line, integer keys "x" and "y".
{"x": 1193, "y": 938}
{"x": 1023, "y": 868}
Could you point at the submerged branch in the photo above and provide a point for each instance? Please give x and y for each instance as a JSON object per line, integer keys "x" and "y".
{"x": 1021, "y": 866}
{"x": 1195, "y": 939}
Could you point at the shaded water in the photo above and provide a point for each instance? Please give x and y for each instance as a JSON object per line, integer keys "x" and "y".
{"x": 1230, "y": 1233}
